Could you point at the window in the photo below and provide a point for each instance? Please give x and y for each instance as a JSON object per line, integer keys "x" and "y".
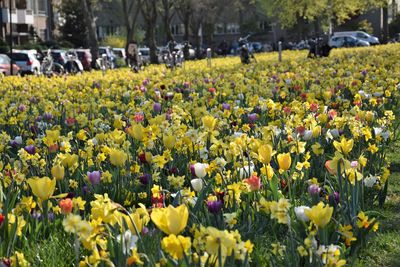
{"x": 219, "y": 28}
{"x": 232, "y": 28}
{"x": 177, "y": 29}
{"x": 263, "y": 25}
{"x": 42, "y": 7}
{"x": 29, "y": 4}
{"x": 20, "y": 4}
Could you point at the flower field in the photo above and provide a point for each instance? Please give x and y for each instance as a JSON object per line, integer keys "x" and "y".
{"x": 268, "y": 164}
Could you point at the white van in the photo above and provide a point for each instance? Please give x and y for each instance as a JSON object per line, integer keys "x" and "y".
{"x": 360, "y": 35}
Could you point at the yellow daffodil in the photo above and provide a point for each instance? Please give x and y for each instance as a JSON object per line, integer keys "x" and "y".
{"x": 170, "y": 220}
{"x": 344, "y": 146}
{"x": 319, "y": 214}
{"x": 42, "y": 188}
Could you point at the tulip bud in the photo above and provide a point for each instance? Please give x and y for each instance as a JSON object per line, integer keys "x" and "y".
{"x": 197, "y": 184}
{"x": 57, "y": 171}
{"x": 301, "y": 216}
{"x": 66, "y": 205}
{"x": 94, "y": 177}
{"x": 200, "y": 170}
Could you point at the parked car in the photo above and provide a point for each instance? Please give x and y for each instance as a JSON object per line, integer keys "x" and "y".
{"x": 145, "y": 51}
{"x": 359, "y": 35}
{"x": 119, "y": 52}
{"x": 26, "y": 60}
{"x": 120, "y": 55}
{"x": 85, "y": 57}
{"x": 109, "y": 54}
{"x": 346, "y": 41}
{"x": 256, "y": 47}
{"x": 59, "y": 56}
{"x": 5, "y": 66}
{"x": 395, "y": 39}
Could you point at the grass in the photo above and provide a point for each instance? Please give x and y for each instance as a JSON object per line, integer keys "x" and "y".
{"x": 384, "y": 248}
{"x": 54, "y": 251}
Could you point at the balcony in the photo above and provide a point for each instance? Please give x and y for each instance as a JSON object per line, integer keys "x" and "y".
{"x": 18, "y": 16}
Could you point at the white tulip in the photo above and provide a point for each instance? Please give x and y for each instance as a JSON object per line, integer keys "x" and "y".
{"x": 200, "y": 169}
{"x": 197, "y": 184}
{"x": 300, "y": 214}
{"x": 307, "y": 135}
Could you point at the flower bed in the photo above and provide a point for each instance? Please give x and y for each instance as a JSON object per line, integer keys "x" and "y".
{"x": 191, "y": 167}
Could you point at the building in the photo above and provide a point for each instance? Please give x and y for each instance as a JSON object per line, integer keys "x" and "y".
{"x": 30, "y": 20}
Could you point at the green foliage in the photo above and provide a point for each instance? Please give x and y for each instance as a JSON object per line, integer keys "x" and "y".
{"x": 290, "y": 11}
{"x": 365, "y": 26}
{"x": 57, "y": 250}
{"x": 74, "y": 30}
{"x": 114, "y": 41}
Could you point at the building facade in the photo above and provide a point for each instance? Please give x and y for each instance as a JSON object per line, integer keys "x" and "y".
{"x": 26, "y": 20}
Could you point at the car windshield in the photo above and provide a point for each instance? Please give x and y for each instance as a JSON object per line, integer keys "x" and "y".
{"x": 4, "y": 59}
{"x": 19, "y": 57}
{"x": 144, "y": 52}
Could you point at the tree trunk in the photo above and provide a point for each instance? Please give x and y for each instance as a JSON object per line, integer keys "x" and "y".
{"x": 385, "y": 24}
{"x": 151, "y": 41}
{"x": 186, "y": 23}
{"x": 149, "y": 12}
{"x": 167, "y": 5}
{"x": 92, "y": 33}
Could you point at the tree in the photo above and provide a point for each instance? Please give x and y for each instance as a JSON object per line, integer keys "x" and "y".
{"x": 167, "y": 15}
{"x": 149, "y": 10}
{"x": 288, "y": 12}
{"x": 90, "y": 22}
{"x": 130, "y": 12}
{"x": 73, "y": 30}
{"x": 184, "y": 10}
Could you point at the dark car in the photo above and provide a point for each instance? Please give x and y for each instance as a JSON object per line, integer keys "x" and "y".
{"x": 59, "y": 56}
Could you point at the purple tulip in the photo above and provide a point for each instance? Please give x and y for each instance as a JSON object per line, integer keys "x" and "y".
{"x": 157, "y": 107}
{"x": 30, "y": 149}
{"x": 226, "y": 106}
{"x": 48, "y": 116}
{"x": 314, "y": 190}
{"x": 144, "y": 179}
{"x": 252, "y": 117}
{"x": 214, "y": 206}
{"x": 22, "y": 108}
{"x": 94, "y": 177}
{"x": 192, "y": 170}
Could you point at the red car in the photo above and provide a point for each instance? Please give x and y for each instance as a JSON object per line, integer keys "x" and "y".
{"x": 5, "y": 66}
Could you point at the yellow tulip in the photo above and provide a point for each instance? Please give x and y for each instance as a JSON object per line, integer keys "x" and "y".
{"x": 136, "y": 131}
{"x": 345, "y": 146}
{"x": 169, "y": 141}
{"x": 42, "y": 188}
{"x": 57, "y": 171}
{"x": 319, "y": 214}
{"x": 170, "y": 220}
{"x": 176, "y": 246}
{"x": 284, "y": 161}
{"x": 265, "y": 153}
{"x": 118, "y": 157}
{"x": 137, "y": 220}
{"x": 209, "y": 122}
